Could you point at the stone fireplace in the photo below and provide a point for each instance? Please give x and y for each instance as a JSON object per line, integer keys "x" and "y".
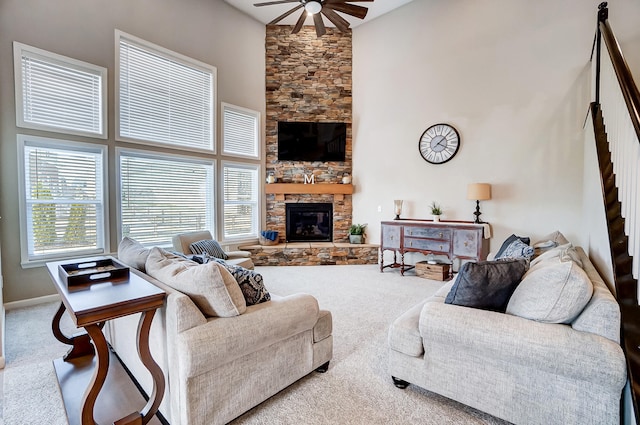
{"x": 309, "y": 222}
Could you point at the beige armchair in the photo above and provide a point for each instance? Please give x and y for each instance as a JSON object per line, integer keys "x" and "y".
{"x": 182, "y": 242}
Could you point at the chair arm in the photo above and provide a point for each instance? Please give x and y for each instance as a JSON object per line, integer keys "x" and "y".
{"x": 238, "y": 254}
{"x": 222, "y": 340}
{"x": 554, "y": 348}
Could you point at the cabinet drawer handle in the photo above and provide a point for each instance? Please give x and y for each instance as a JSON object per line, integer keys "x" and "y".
{"x": 391, "y": 237}
{"x": 466, "y": 244}
{"x": 441, "y": 235}
{"x": 440, "y": 247}
{"x": 410, "y": 243}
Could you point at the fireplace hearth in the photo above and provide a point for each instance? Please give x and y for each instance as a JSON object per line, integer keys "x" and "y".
{"x": 309, "y": 222}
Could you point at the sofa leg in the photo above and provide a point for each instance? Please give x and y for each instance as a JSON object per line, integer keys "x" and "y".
{"x": 323, "y": 368}
{"x": 400, "y": 383}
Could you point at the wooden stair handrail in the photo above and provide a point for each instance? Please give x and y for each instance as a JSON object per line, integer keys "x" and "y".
{"x": 627, "y": 84}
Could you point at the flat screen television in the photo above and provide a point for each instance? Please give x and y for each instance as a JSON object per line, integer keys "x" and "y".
{"x": 312, "y": 141}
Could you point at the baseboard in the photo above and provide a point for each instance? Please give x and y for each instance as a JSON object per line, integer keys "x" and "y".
{"x": 31, "y": 302}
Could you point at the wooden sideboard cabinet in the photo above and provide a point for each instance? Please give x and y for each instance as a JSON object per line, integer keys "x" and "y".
{"x": 460, "y": 241}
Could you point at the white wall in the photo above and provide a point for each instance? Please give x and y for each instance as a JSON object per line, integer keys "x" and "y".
{"x": 208, "y": 30}
{"x": 512, "y": 76}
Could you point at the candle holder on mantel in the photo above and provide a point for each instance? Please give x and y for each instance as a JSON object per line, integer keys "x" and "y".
{"x": 397, "y": 205}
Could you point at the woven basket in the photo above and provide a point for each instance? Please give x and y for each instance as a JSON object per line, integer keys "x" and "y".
{"x": 267, "y": 242}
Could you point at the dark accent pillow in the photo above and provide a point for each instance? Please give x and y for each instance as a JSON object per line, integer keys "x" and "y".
{"x": 251, "y": 283}
{"x": 208, "y": 246}
{"x": 486, "y": 285}
{"x": 509, "y": 241}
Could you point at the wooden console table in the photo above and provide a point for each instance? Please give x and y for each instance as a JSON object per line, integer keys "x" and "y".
{"x": 90, "y": 306}
{"x": 458, "y": 240}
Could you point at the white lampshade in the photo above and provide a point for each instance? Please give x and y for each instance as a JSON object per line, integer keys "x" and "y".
{"x": 479, "y": 191}
{"x": 312, "y": 7}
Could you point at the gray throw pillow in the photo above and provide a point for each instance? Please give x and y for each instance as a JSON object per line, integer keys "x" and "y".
{"x": 208, "y": 246}
{"x": 486, "y": 285}
{"x": 555, "y": 291}
{"x": 516, "y": 249}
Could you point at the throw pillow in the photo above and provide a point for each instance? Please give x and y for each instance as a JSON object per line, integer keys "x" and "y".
{"x": 566, "y": 252}
{"x": 208, "y": 246}
{"x": 133, "y": 253}
{"x": 510, "y": 240}
{"x": 251, "y": 283}
{"x": 516, "y": 249}
{"x": 210, "y": 286}
{"x": 486, "y": 285}
{"x": 556, "y": 292}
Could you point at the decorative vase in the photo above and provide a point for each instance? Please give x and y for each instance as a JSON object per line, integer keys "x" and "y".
{"x": 356, "y": 239}
{"x": 436, "y": 218}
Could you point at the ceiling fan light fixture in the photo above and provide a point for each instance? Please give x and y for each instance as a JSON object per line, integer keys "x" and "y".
{"x": 312, "y": 7}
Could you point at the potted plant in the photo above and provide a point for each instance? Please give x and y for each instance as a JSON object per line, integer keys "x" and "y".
{"x": 436, "y": 211}
{"x": 356, "y": 233}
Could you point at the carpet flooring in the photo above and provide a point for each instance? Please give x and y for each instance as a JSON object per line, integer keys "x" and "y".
{"x": 355, "y": 390}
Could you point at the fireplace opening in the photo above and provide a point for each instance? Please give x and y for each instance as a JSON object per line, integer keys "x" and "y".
{"x": 309, "y": 222}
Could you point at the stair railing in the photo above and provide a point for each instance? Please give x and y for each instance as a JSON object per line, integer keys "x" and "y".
{"x": 619, "y": 99}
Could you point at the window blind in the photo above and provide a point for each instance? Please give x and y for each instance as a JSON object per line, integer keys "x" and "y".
{"x": 64, "y": 200}
{"x": 240, "y": 128}
{"x": 241, "y": 209}
{"x": 163, "y": 98}
{"x": 59, "y": 94}
{"x": 163, "y": 196}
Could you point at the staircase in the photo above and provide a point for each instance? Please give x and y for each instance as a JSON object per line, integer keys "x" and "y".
{"x": 617, "y": 103}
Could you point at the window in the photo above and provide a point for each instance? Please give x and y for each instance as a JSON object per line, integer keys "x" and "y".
{"x": 59, "y": 94}
{"x": 162, "y": 195}
{"x": 240, "y": 131}
{"x": 62, "y": 198}
{"x": 163, "y": 97}
{"x": 240, "y": 200}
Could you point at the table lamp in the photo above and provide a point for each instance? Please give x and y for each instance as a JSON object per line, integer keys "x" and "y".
{"x": 397, "y": 207}
{"x": 478, "y": 192}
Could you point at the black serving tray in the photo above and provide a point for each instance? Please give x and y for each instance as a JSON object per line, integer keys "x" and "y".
{"x": 92, "y": 271}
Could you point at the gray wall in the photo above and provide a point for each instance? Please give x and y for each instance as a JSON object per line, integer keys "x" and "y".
{"x": 207, "y": 30}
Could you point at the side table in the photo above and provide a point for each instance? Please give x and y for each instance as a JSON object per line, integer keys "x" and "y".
{"x": 90, "y": 306}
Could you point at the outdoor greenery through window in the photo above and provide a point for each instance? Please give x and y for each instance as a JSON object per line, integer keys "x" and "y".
{"x": 162, "y": 195}
{"x": 241, "y": 207}
{"x": 164, "y": 97}
{"x": 62, "y": 198}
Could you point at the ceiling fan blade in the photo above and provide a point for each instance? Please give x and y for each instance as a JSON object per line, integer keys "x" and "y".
{"x": 340, "y": 23}
{"x": 300, "y": 23}
{"x": 269, "y": 3}
{"x": 320, "y": 28}
{"x": 350, "y": 9}
{"x": 284, "y": 15}
{"x": 347, "y": 1}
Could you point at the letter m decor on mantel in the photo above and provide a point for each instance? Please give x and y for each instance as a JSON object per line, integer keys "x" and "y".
{"x": 460, "y": 241}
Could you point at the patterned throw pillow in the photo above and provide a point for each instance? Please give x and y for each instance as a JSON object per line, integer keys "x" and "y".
{"x": 251, "y": 283}
{"x": 515, "y": 247}
{"x": 210, "y": 247}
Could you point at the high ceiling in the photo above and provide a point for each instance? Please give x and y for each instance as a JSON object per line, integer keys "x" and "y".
{"x": 266, "y": 14}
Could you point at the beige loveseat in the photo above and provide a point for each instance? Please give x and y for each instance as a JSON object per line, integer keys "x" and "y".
{"x": 217, "y": 368}
{"x": 521, "y": 370}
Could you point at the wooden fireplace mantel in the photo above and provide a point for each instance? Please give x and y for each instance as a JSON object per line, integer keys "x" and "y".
{"x": 282, "y": 189}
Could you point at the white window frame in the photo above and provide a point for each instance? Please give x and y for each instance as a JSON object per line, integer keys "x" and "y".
{"x": 120, "y": 151}
{"x": 176, "y": 57}
{"x": 20, "y": 50}
{"x": 258, "y": 202}
{"x": 102, "y": 232}
{"x": 248, "y": 113}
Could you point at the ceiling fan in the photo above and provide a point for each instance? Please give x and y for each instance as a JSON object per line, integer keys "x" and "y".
{"x": 316, "y": 8}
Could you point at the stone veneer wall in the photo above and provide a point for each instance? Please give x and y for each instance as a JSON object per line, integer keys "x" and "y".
{"x": 307, "y": 79}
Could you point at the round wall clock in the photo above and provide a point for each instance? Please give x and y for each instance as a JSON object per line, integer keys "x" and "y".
{"x": 439, "y": 143}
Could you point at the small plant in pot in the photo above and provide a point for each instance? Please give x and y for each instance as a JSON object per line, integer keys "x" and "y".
{"x": 356, "y": 233}
{"x": 436, "y": 211}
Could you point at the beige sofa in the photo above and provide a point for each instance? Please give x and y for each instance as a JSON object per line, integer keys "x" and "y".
{"x": 182, "y": 242}
{"x": 520, "y": 370}
{"x": 218, "y": 368}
